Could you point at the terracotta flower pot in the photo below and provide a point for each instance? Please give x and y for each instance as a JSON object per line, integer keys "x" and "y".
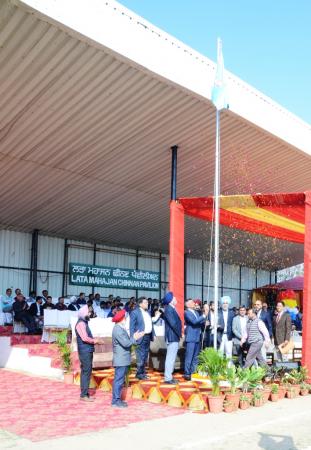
{"x": 296, "y": 389}
{"x": 68, "y": 378}
{"x": 215, "y": 403}
{"x": 126, "y": 393}
{"x": 290, "y": 393}
{"x": 266, "y": 395}
{"x": 282, "y": 392}
{"x": 234, "y": 399}
{"x": 244, "y": 404}
{"x": 258, "y": 402}
{"x": 274, "y": 397}
{"x": 229, "y": 408}
{"x": 304, "y": 392}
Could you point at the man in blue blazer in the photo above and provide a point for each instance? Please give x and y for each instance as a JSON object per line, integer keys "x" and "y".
{"x": 173, "y": 332}
{"x": 140, "y": 320}
{"x": 224, "y": 332}
{"x": 193, "y": 322}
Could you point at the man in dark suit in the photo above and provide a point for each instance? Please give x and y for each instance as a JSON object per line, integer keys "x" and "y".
{"x": 173, "y": 332}
{"x": 224, "y": 331}
{"x": 263, "y": 315}
{"x": 282, "y": 329}
{"x": 140, "y": 320}
{"x": 36, "y": 310}
{"x": 193, "y": 322}
{"x": 21, "y": 313}
{"x": 73, "y": 306}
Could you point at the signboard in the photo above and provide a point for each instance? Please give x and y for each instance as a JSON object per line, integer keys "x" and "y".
{"x": 113, "y": 277}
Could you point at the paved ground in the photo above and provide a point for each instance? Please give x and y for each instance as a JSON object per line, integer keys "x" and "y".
{"x": 285, "y": 425}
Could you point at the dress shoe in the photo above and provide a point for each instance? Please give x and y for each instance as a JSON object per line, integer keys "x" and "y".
{"x": 87, "y": 399}
{"x": 171, "y": 381}
{"x": 187, "y": 377}
{"x": 142, "y": 377}
{"x": 119, "y": 404}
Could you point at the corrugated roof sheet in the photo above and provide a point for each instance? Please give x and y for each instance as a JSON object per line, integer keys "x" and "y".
{"x": 85, "y": 141}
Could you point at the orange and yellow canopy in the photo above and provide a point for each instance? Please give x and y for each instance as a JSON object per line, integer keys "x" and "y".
{"x": 276, "y": 215}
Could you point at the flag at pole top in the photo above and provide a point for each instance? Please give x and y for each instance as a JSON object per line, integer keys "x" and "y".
{"x": 219, "y": 88}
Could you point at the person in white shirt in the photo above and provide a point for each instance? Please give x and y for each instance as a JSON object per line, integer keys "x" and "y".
{"x": 7, "y": 301}
{"x": 239, "y": 324}
{"x": 224, "y": 329}
{"x": 140, "y": 320}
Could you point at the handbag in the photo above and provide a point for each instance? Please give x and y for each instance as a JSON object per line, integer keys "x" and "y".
{"x": 286, "y": 348}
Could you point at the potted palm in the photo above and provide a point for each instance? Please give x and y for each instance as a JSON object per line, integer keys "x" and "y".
{"x": 234, "y": 376}
{"x": 65, "y": 355}
{"x": 213, "y": 364}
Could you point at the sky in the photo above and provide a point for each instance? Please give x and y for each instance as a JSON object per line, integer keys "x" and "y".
{"x": 266, "y": 43}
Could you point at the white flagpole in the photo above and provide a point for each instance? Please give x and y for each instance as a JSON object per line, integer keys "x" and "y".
{"x": 219, "y": 100}
{"x": 216, "y": 218}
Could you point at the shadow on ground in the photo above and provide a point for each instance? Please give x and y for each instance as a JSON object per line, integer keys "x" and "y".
{"x": 276, "y": 442}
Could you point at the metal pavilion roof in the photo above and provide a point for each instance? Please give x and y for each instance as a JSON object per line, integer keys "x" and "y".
{"x": 92, "y": 97}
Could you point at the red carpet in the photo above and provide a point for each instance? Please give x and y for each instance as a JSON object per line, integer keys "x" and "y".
{"x": 39, "y": 409}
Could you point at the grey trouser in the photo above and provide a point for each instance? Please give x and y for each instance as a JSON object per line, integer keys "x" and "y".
{"x": 254, "y": 353}
{"x": 171, "y": 353}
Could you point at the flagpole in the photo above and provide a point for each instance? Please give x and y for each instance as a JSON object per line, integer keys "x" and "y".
{"x": 216, "y": 219}
{"x": 219, "y": 100}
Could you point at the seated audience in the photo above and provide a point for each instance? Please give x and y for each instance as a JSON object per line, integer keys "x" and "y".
{"x": 45, "y": 294}
{"x": 7, "y": 301}
{"x": 49, "y": 303}
{"x": 22, "y": 314}
{"x": 81, "y": 300}
{"x": 60, "y": 305}
{"x": 36, "y": 310}
{"x": 74, "y": 304}
{"x": 32, "y": 297}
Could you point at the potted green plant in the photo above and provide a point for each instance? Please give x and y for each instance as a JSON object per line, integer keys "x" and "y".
{"x": 304, "y": 388}
{"x": 244, "y": 401}
{"x": 229, "y": 406}
{"x": 274, "y": 396}
{"x": 293, "y": 378}
{"x": 234, "y": 377}
{"x": 290, "y": 391}
{"x": 64, "y": 350}
{"x": 257, "y": 398}
{"x": 213, "y": 364}
{"x": 255, "y": 376}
